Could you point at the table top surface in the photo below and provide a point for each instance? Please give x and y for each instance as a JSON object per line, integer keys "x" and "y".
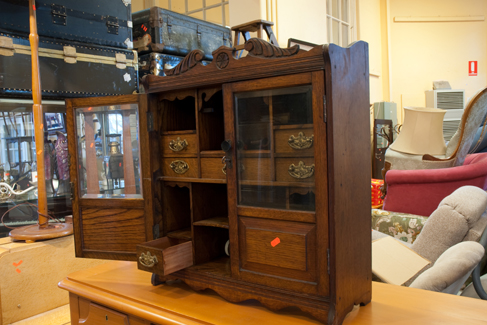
{"x": 121, "y": 286}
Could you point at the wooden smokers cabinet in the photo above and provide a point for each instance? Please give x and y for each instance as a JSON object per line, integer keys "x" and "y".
{"x": 248, "y": 176}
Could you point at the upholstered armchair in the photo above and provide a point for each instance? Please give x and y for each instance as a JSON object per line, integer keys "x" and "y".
{"x": 456, "y": 149}
{"x": 448, "y": 238}
{"x": 420, "y": 191}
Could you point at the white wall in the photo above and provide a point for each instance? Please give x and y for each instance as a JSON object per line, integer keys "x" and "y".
{"x": 304, "y": 21}
{"x": 422, "y": 52}
{"x": 369, "y": 30}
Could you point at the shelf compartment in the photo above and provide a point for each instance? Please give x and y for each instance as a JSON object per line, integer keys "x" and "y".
{"x": 183, "y": 234}
{"x": 219, "y": 222}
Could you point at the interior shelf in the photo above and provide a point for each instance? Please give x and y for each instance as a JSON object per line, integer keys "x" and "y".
{"x": 292, "y": 126}
{"x": 179, "y": 132}
{"x": 212, "y": 153}
{"x": 192, "y": 180}
{"x": 219, "y": 222}
{"x": 273, "y": 183}
{"x": 181, "y": 234}
{"x": 219, "y": 268}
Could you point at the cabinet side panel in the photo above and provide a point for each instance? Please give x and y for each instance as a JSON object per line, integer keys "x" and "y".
{"x": 112, "y": 230}
{"x": 347, "y": 108}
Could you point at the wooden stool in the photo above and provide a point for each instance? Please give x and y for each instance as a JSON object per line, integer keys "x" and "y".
{"x": 253, "y": 26}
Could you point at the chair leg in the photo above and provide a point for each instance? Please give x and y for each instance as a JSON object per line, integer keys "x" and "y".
{"x": 270, "y": 34}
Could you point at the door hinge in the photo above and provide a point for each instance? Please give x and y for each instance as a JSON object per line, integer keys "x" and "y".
{"x": 324, "y": 108}
{"x": 155, "y": 231}
{"x": 71, "y": 185}
{"x": 58, "y": 13}
{"x": 112, "y": 25}
{"x": 150, "y": 122}
{"x": 328, "y": 258}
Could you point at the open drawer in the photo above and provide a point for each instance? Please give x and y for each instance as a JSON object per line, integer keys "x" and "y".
{"x": 165, "y": 255}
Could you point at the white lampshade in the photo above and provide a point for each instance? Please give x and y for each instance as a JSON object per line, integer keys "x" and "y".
{"x": 421, "y": 132}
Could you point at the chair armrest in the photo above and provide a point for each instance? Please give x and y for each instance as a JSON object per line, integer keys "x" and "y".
{"x": 451, "y": 268}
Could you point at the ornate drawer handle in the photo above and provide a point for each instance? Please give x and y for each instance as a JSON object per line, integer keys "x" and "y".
{"x": 301, "y": 141}
{"x": 178, "y": 144}
{"x": 224, "y": 169}
{"x": 301, "y": 170}
{"x": 148, "y": 260}
{"x": 179, "y": 166}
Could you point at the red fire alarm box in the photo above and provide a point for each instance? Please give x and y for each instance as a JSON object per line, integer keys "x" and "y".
{"x": 472, "y": 68}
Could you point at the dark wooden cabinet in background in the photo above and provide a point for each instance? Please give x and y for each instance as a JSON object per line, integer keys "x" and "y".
{"x": 248, "y": 176}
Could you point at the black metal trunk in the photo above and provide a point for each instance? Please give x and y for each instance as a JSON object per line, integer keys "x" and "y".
{"x": 161, "y": 30}
{"x": 68, "y": 69}
{"x": 107, "y": 22}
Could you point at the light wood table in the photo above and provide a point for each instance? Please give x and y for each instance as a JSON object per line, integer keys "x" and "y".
{"x": 129, "y": 296}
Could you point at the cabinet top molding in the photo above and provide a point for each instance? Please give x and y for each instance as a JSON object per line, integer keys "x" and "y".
{"x": 411, "y": 19}
{"x": 263, "y": 60}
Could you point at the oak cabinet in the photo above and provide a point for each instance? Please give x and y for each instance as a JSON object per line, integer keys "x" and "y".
{"x": 248, "y": 176}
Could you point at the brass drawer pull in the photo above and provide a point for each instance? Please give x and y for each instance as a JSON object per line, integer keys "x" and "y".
{"x": 301, "y": 170}
{"x": 224, "y": 169}
{"x": 301, "y": 141}
{"x": 178, "y": 144}
{"x": 179, "y": 166}
{"x": 148, "y": 260}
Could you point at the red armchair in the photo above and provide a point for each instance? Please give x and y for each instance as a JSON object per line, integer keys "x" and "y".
{"x": 420, "y": 191}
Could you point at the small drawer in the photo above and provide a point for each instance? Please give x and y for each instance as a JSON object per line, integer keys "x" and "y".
{"x": 278, "y": 248}
{"x": 91, "y": 313}
{"x": 165, "y": 255}
{"x": 296, "y": 141}
{"x": 179, "y": 145}
{"x": 180, "y": 167}
{"x": 213, "y": 168}
{"x": 255, "y": 169}
{"x": 295, "y": 170}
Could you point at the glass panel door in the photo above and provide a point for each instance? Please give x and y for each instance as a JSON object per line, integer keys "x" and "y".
{"x": 274, "y": 145}
{"x": 108, "y": 151}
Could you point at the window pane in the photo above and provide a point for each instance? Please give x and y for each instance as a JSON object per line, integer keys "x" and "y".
{"x": 212, "y": 2}
{"x": 162, "y": 4}
{"x": 345, "y": 39}
{"x": 198, "y": 15}
{"x": 328, "y": 25}
{"x": 334, "y": 8}
{"x": 214, "y": 15}
{"x": 195, "y": 4}
{"x": 345, "y": 5}
{"x": 227, "y": 16}
{"x": 335, "y": 30}
{"x": 178, "y": 6}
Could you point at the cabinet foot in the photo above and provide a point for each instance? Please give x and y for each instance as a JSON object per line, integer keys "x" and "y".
{"x": 157, "y": 279}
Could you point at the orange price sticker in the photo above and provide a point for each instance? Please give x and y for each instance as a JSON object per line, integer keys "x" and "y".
{"x": 275, "y": 242}
{"x": 41, "y": 126}
{"x": 39, "y": 152}
{"x": 91, "y": 145}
